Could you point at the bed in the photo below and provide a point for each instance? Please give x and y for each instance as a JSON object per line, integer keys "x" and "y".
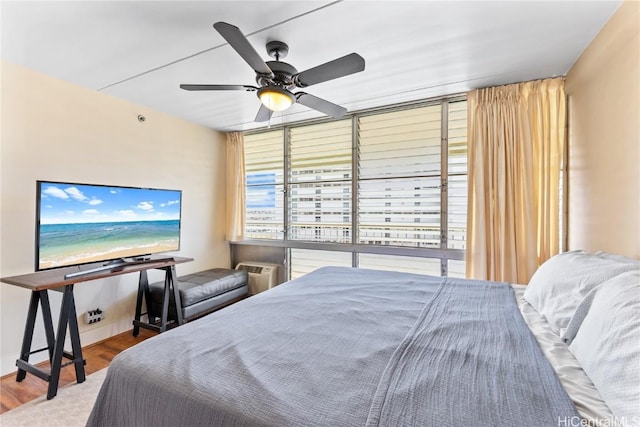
{"x": 354, "y": 347}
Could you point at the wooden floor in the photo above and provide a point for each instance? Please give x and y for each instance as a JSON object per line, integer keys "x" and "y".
{"x": 98, "y": 356}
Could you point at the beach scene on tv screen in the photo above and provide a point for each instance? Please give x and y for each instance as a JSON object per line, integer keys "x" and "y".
{"x": 86, "y": 223}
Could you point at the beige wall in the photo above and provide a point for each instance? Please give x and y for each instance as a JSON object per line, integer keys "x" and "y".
{"x": 52, "y": 130}
{"x": 604, "y": 139}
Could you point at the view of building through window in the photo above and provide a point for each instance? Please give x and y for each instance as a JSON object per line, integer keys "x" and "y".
{"x": 395, "y": 179}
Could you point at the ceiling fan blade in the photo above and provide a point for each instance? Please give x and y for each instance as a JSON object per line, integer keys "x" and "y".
{"x": 240, "y": 44}
{"x": 264, "y": 114}
{"x": 321, "y": 105}
{"x": 219, "y": 87}
{"x": 348, "y": 64}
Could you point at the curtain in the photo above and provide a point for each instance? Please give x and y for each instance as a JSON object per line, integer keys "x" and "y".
{"x": 515, "y": 148}
{"x": 235, "y": 186}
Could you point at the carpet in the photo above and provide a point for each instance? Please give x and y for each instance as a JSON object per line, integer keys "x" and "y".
{"x": 71, "y": 407}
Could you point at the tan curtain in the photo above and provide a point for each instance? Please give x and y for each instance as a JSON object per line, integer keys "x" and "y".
{"x": 516, "y": 143}
{"x": 235, "y": 186}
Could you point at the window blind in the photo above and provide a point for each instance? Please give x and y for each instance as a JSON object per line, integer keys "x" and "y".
{"x": 457, "y": 175}
{"x": 399, "y": 170}
{"x": 320, "y": 176}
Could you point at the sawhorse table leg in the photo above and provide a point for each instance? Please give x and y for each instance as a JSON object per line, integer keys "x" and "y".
{"x": 143, "y": 293}
{"x": 170, "y": 288}
{"x": 55, "y": 343}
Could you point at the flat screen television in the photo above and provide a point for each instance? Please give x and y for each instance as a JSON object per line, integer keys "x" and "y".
{"x": 85, "y": 223}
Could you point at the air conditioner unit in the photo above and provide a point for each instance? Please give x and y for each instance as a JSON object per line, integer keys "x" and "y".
{"x": 262, "y": 276}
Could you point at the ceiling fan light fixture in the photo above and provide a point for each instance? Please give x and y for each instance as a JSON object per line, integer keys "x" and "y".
{"x": 275, "y": 98}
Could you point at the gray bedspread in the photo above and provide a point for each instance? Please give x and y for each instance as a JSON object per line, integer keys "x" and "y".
{"x": 343, "y": 347}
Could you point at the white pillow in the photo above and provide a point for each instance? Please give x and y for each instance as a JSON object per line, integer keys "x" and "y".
{"x": 558, "y": 286}
{"x": 580, "y": 313}
{"x": 583, "y": 308}
{"x": 607, "y": 345}
{"x": 618, "y": 258}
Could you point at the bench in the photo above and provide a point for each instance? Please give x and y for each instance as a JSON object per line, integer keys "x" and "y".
{"x": 200, "y": 293}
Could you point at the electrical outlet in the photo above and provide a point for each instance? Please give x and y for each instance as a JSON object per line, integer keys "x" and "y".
{"x": 93, "y": 316}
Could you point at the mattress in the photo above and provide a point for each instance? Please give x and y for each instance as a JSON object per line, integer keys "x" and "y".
{"x": 343, "y": 346}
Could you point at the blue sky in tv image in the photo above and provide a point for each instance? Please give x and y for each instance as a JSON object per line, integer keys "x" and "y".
{"x": 80, "y": 203}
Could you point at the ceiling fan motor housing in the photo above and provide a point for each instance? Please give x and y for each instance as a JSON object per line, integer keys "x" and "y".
{"x": 282, "y": 75}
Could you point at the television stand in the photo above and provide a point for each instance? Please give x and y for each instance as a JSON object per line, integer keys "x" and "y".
{"x": 41, "y": 282}
{"x": 115, "y": 264}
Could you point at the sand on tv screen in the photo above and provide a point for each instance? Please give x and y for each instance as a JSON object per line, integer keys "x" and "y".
{"x": 83, "y": 223}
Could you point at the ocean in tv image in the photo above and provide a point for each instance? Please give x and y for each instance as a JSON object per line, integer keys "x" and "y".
{"x": 64, "y": 244}
{"x": 82, "y": 223}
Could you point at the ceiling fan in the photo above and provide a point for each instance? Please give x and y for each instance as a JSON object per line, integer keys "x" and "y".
{"x": 277, "y": 79}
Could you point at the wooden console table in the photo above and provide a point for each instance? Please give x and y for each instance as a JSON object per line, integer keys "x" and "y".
{"x": 41, "y": 282}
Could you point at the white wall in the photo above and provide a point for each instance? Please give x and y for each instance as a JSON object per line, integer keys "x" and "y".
{"x": 53, "y": 130}
{"x": 604, "y": 139}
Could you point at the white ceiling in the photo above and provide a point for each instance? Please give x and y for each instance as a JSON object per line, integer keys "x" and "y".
{"x": 141, "y": 51}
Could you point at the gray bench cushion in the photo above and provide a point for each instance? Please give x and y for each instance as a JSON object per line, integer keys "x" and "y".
{"x": 202, "y": 291}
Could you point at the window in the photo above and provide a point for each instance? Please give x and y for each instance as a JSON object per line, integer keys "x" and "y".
{"x": 264, "y": 159}
{"x": 320, "y": 182}
{"x": 456, "y": 268}
{"x": 395, "y": 179}
{"x": 304, "y": 261}
{"x": 405, "y": 264}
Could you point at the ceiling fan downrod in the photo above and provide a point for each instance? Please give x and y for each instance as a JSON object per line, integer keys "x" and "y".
{"x": 277, "y": 49}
